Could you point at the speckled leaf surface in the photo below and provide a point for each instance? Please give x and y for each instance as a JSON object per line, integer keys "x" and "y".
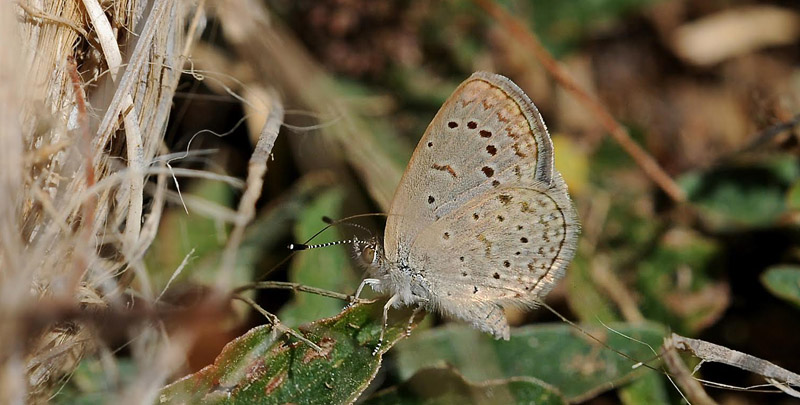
{"x": 555, "y": 353}
{"x": 261, "y": 368}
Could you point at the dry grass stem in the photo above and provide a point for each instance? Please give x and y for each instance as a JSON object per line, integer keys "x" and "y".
{"x": 66, "y": 126}
{"x": 680, "y": 374}
{"x": 710, "y": 352}
{"x": 604, "y": 277}
{"x": 256, "y": 169}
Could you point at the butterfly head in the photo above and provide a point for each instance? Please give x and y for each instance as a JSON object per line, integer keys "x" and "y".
{"x": 368, "y": 253}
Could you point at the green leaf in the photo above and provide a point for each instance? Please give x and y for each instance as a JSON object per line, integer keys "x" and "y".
{"x": 327, "y": 268}
{"x": 738, "y": 197}
{"x": 793, "y": 196}
{"x": 783, "y": 281}
{"x": 647, "y": 389}
{"x": 687, "y": 304}
{"x": 629, "y": 231}
{"x": 260, "y": 367}
{"x": 92, "y": 383}
{"x": 181, "y": 233}
{"x": 274, "y": 222}
{"x": 556, "y": 354}
{"x": 445, "y": 386}
{"x": 583, "y": 297}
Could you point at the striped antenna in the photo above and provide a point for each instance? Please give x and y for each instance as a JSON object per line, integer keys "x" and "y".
{"x": 333, "y": 222}
{"x": 294, "y": 247}
{"x": 302, "y": 246}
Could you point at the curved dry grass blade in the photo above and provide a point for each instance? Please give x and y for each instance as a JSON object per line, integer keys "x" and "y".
{"x": 256, "y": 169}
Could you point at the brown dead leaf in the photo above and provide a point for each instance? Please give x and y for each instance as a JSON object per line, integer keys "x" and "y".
{"x": 735, "y": 32}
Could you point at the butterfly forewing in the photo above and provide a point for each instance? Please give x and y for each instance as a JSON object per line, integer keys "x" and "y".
{"x": 487, "y": 135}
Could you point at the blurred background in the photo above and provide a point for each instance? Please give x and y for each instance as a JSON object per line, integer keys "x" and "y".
{"x": 710, "y": 89}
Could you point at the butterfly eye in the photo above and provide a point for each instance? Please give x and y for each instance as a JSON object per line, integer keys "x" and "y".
{"x": 368, "y": 255}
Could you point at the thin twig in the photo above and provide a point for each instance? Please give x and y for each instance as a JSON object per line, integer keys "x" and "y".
{"x": 603, "y": 277}
{"x": 681, "y": 375}
{"x": 711, "y": 352}
{"x": 767, "y": 134}
{"x": 150, "y": 226}
{"x": 285, "y": 285}
{"x": 112, "y": 180}
{"x": 192, "y": 32}
{"x": 256, "y": 169}
{"x": 592, "y": 337}
{"x": 276, "y": 323}
{"x": 203, "y": 207}
{"x": 647, "y": 163}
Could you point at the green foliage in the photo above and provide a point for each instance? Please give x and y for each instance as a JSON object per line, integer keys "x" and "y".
{"x": 261, "y": 367}
{"x": 659, "y": 280}
{"x": 584, "y": 299}
{"x": 327, "y": 268}
{"x": 648, "y": 389}
{"x": 195, "y": 232}
{"x": 91, "y": 383}
{"x": 203, "y": 236}
{"x": 556, "y": 354}
{"x": 740, "y": 197}
{"x": 784, "y": 282}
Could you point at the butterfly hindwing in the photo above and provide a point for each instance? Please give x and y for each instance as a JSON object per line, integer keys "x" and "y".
{"x": 508, "y": 248}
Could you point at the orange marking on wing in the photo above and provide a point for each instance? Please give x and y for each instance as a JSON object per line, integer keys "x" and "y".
{"x": 445, "y": 168}
{"x": 501, "y": 117}
{"x": 518, "y": 151}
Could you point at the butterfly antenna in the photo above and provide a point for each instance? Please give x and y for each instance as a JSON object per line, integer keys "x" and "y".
{"x": 295, "y": 247}
{"x": 302, "y": 246}
{"x": 333, "y": 222}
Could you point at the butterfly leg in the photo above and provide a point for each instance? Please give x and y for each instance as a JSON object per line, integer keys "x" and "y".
{"x": 411, "y": 320}
{"x": 367, "y": 281}
{"x": 385, "y": 324}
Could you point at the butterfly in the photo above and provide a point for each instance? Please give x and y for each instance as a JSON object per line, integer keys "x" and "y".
{"x": 481, "y": 220}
